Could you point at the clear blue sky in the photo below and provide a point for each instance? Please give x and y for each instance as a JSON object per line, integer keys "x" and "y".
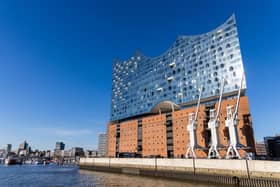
{"x": 56, "y": 60}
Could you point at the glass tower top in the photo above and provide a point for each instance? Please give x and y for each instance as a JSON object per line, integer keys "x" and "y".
{"x": 141, "y": 82}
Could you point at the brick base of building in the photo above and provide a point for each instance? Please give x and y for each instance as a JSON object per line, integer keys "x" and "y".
{"x": 165, "y": 135}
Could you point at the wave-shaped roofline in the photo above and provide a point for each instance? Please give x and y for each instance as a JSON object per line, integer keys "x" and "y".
{"x": 180, "y": 37}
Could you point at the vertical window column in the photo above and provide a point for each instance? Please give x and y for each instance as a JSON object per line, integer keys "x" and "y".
{"x": 118, "y": 133}
{"x": 139, "y": 138}
{"x": 207, "y": 132}
{"x": 169, "y": 135}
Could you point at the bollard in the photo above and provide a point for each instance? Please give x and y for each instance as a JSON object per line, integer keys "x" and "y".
{"x": 236, "y": 181}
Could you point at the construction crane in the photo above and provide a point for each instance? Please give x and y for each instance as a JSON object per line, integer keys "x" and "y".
{"x": 231, "y": 122}
{"x": 191, "y": 127}
{"x": 213, "y": 125}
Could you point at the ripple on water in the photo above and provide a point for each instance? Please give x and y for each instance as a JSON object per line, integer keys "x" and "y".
{"x": 71, "y": 176}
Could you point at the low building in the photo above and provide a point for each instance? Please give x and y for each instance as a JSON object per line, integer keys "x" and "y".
{"x": 66, "y": 153}
{"x": 3, "y": 153}
{"x": 90, "y": 153}
{"x": 261, "y": 150}
{"x": 48, "y": 154}
{"x": 272, "y": 144}
{"x": 23, "y": 153}
{"x": 77, "y": 152}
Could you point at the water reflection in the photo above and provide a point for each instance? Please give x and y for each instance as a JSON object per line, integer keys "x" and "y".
{"x": 72, "y": 176}
{"x": 114, "y": 179}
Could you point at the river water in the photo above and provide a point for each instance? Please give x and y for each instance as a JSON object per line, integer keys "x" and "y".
{"x": 71, "y": 176}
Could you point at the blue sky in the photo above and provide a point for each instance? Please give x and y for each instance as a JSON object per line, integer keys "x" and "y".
{"x": 56, "y": 60}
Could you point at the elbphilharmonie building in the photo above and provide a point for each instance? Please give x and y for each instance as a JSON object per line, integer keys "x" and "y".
{"x": 187, "y": 102}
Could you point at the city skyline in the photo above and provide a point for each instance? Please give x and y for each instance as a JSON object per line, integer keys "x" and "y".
{"x": 56, "y": 62}
{"x": 15, "y": 148}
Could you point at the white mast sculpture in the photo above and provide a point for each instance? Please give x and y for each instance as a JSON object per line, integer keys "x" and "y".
{"x": 231, "y": 122}
{"x": 191, "y": 127}
{"x": 213, "y": 125}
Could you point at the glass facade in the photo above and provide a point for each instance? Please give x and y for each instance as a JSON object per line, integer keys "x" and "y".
{"x": 142, "y": 82}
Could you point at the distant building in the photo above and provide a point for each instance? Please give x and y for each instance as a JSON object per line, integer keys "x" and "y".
{"x": 23, "y": 149}
{"x": 22, "y": 152}
{"x": 8, "y": 148}
{"x": 261, "y": 150}
{"x": 3, "y": 153}
{"x": 272, "y": 144}
{"x": 48, "y": 154}
{"x": 77, "y": 152}
{"x": 66, "y": 153}
{"x": 102, "y": 145}
{"x": 23, "y": 145}
{"x": 59, "y": 146}
{"x": 90, "y": 153}
{"x": 37, "y": 153}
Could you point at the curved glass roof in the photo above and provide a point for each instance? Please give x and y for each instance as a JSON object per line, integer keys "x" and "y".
{"x": 141, "y": 82}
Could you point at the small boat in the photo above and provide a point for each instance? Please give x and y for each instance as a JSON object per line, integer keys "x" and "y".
{"x": 38, "y": 162}
{"x": 28, "y": 162}
{"x": 10, "y": 161}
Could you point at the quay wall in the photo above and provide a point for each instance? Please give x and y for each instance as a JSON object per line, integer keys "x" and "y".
{"x": 197, "y": 169}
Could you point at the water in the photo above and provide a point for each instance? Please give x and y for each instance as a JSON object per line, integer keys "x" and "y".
{"x": 44, "y": 176}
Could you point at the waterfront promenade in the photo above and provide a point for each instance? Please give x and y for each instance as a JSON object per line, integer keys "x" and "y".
{"x": 241, "y": 172}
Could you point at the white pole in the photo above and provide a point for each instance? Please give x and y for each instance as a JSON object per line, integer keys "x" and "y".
{"x": 220, "y": 99}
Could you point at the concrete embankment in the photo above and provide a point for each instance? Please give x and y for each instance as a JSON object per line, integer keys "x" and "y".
{"x": 224, "y": 171}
